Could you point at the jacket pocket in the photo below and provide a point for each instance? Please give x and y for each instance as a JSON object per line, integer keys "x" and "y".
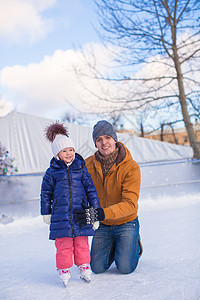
{"x": 53, "y": 208}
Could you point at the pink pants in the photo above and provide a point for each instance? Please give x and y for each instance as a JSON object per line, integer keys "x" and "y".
{"x": 67, "y": 247}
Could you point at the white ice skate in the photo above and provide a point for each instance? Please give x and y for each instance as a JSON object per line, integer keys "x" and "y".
{"x": 85, "y": 272}
{"x": 64, "y": 275}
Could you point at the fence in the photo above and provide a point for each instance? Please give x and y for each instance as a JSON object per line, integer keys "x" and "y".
{"x": 157, "y": 179}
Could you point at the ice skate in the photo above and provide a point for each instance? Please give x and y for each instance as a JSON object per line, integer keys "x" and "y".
{"x": 85, "y": 272}
{"x": 64, "y": 275}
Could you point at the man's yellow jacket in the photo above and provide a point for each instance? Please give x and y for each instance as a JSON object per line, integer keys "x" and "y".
{"x": 119, "y": 192}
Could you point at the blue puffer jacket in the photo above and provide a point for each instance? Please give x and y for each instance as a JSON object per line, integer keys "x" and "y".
{"x": 63, "y": 190}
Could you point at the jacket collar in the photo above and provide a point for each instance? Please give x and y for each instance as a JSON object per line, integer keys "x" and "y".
{"x": 122, "y": 153}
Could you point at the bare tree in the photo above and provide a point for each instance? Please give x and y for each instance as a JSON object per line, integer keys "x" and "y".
{"x": 162, "y": 133}
{"x": 163, "y": 38}
{"x": 70, "y": 118}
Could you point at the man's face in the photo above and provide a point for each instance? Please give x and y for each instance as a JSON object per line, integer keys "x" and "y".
{"x": 105, "y": 144}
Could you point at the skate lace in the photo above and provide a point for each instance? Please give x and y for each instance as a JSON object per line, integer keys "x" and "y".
{"x": 65, "y": 272}
{"x": 85, "y": 268}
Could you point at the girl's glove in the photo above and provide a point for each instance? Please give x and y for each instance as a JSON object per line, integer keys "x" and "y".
{"x": 47, "y": 219}
{"x": 88, "y": 216}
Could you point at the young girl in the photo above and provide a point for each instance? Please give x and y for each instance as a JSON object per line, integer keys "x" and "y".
{"x": 66, "y": 186}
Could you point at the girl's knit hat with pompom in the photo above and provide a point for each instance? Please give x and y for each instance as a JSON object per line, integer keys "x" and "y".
{"x": 57, "y": 134}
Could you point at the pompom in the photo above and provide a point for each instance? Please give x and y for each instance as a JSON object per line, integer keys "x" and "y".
{"x": 52, "y": 130}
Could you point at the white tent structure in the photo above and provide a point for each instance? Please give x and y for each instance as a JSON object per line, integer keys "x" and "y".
{"x": 165, "y": 168}
{"x": 23, "y": 136}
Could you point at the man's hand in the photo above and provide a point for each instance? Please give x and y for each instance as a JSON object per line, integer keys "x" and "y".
{"x": 88, "y": 216}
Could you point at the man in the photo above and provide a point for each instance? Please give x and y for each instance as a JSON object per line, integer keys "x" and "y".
{"x": 116, "y": 177}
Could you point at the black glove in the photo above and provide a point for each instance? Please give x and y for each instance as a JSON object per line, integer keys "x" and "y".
{"x": 88, "y": 216}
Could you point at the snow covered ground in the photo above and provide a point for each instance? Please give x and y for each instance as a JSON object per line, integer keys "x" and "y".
{"x": 168, "y": 269}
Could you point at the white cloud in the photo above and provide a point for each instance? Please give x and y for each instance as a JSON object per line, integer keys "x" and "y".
{"x": 48, "y": 86}
{"x": 22, "y": 20}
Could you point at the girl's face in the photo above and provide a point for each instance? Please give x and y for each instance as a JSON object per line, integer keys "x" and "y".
{"x": 105, "y": 144}
{"x": 67, "y": 155}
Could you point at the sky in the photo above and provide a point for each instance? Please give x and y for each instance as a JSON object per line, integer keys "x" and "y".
{"x": 39, "y": 45}
{"x": 42, "y": 67}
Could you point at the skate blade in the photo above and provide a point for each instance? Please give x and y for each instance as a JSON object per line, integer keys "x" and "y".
{"x": 86, "y": 279}
{"x": 65, "y": 283}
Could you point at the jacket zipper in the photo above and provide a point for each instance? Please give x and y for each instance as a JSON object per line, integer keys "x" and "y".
{"x": 70, "y": 206}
